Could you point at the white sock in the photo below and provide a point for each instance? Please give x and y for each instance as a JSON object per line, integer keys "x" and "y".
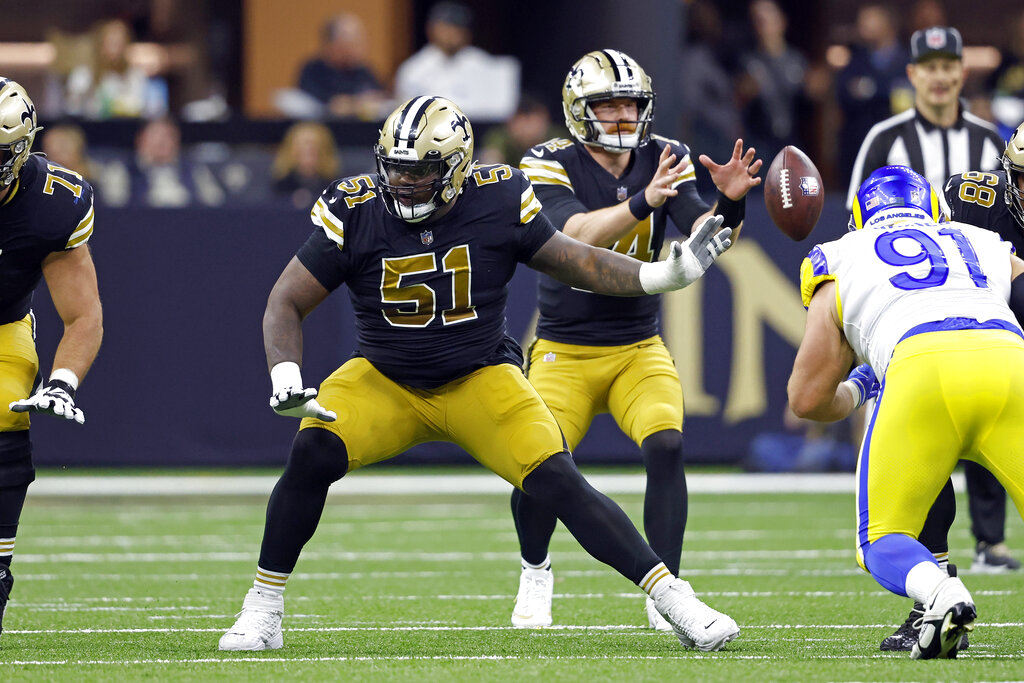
{"x": 657, "y": 580}
{"x": 943, "y": 560}
{"x": 923, "y": 579}
{"x": 546, "y": 564}
{"x": 270, "y": 582}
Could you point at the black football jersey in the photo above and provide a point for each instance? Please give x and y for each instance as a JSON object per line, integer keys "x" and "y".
{"x": 47, "y": 209}
{"x": 429, "y": 297}
{"x": 978, "y": 198}
{"x": 569, "y": 181}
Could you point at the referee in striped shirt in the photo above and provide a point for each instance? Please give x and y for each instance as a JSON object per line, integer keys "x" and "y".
{"x": 936, "y": 138}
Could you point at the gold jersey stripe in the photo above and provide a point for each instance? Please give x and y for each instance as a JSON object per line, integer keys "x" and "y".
{"x": 690, "y": 174}
{"x": 83, "y": 231}
{"x": 545, "y": 178}
{"x": 529, "y": 207}
{"x": 332, "y": 225}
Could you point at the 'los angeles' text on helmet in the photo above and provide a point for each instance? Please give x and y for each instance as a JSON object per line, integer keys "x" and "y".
{"x": 423, "y": 156}
{"x": 604, "y": 75}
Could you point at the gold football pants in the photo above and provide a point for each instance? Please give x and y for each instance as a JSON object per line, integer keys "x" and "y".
{"x": 494, "y": 414}
{"x": 19, "y": 365}
{"x": 636, "y": 383}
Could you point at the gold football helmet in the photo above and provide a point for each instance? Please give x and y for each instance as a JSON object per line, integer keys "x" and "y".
{"x": 604, "y": 75}
{"x": 423, "y": 156}
{"x": 1013, "y": 164}
{"x": 17, "y": 129}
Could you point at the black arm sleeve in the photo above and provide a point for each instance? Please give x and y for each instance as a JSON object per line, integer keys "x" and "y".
{"x": 685, "y": 207}
{"x": 560, "y": 203}
{"x": 323, "y": 259}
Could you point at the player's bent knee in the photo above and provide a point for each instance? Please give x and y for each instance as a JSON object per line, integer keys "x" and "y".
{"x": 16, "y": 467}
{"x": 318, "y": 455}
{"x": 554, "y": 479}
{"x": 663, "y": 448}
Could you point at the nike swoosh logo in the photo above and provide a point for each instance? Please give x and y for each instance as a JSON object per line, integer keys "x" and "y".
{"x": 536, "y": 153}
{"x": 712, "y": 623}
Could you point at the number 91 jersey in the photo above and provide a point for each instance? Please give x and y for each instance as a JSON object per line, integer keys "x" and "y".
{"x": 429, "y": 297}
{"x": 891, "y": 280}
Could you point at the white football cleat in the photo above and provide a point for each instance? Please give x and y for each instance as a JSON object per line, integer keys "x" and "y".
{"x": 950, "y": 614}
{"x": 258, "y": 626}
{"x": 695, "y": 624}
{"x": 654, "y": 618}
{"x": 533, "y": 602}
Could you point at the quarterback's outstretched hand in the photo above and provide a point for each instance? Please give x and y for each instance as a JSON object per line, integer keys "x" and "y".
{"x": 687, "y": 262}
{"x": 863, "y": 384}
{"x": 56, "y": 398}
{"x": 291, "y": 399}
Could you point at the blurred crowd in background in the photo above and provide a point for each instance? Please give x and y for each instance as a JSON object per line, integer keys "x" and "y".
{"x": 742, "y": 74}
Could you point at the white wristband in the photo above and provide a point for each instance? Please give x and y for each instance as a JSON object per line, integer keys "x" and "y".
{"x": 285, "y": 375}
{"x": 66, "y": 376}
{"x": 655, "y": 277}
{"x": 855, "y": 394}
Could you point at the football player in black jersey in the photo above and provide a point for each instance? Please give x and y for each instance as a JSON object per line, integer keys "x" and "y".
{"x": 426, "y": 248}
{"x": 46, "y": 217}
{"x": 995, "y": 201}
{"x": 614, "y": 185}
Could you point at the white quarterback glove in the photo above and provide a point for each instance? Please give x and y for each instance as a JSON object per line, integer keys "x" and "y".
{"x": 687, "y": 262}
{"x": 291, "y": 399}
{"x": 56, "y": 397}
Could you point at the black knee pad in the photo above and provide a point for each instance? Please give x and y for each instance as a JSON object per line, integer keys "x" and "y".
{"x": 16, "y": 467}
{"x": 318, "y": 456}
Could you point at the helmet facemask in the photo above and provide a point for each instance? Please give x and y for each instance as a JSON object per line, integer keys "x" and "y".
{"x": 1013, "y": 164}
{"x": 423, "y": 156}
{"x": 17, "y": 130}
{"x": 601, "y": 76}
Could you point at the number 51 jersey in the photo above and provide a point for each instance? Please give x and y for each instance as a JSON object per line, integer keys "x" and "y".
{"x": 429, "y": 297}
{"x": 895, "y": 279}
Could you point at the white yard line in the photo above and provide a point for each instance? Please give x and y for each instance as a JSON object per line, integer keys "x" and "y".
{"x": 428, "y": 484}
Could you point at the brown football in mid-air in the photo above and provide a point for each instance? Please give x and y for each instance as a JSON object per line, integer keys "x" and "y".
{"x": 793, "y": 193}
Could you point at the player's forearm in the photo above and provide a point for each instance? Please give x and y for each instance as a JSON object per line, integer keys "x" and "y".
{"x": 603, "y": 227}
{"x": 823, "y": 408}
{"x": 586, "y": 267}
{"x": 282, "y": 332}
{"x": 80, "y": 343}
{"x": 714, "y": 211}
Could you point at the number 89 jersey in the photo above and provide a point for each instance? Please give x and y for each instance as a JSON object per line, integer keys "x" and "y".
{"x": 978, "y": 198}
{"x": 895, "y": 279}
{"x": 429, "y": 297}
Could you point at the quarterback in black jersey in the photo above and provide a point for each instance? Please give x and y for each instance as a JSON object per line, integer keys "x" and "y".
{"x": 46, "y": 218}
{"x": 614, "y": 185}
{"x": 426, "y": 248}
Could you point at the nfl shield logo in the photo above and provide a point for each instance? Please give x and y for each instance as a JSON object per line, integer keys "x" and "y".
{"x": 809, "y": 186}
{"x": 621, "y": 194}
{"x": 549, "y": 357}
{"x": 427, "y": 237}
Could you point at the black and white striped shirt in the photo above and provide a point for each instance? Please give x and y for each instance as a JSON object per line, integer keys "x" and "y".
{"x": 970, "y": 144}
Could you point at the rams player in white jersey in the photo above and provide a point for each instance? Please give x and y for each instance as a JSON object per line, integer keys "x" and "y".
{"x": 933, "y": 309}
